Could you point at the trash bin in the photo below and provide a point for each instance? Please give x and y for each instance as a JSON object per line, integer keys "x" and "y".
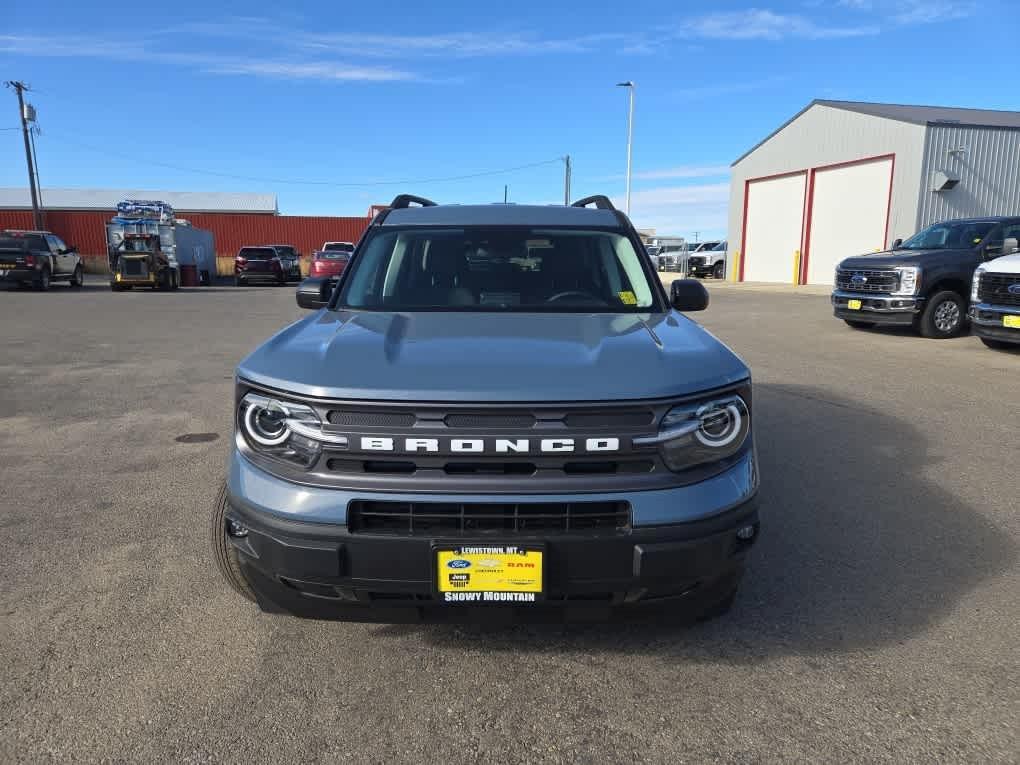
{"x": 189, "y": 275}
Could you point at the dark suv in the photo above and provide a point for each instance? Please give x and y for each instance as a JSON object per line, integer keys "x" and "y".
{"x": 495, "y": 411}
{"x": 924, "y": 282}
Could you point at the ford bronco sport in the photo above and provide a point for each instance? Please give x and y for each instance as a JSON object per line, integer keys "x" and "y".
{"x": 496, "y": 411}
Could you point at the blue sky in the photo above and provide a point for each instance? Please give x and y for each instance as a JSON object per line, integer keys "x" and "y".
{"x": 310, "y": 102}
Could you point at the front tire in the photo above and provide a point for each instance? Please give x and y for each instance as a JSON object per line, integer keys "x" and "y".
{"x": 78, "y": 277}
{"x": 859, "y": 324}
{"x": 719, "y": 272}
{"x": 226, "y": 556}
{"x": 944, "y": 316}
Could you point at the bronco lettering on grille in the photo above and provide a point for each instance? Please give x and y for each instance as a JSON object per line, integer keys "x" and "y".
{"x": 482, "y": 445}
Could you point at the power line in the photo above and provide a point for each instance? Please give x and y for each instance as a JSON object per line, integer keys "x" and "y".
{"x": 300, "y": 182}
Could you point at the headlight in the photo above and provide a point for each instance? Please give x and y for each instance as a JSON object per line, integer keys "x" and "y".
{"x": 284, "y": 429}
{"x": 975, "y": 285}
{"x": 910, "y": 280}
{"x": 700, "y": 433}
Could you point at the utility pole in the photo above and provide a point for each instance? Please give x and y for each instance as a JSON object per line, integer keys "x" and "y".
{"x": 506, "y": 193}
{"x": 32, "y": 131}
{"x": 566, "y": 180}
{"x": 20, "y": 88}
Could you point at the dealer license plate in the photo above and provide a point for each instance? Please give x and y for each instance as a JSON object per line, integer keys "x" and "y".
{"x": 489, "y": 573}
{"x": 8, "y": 266}
{"x": 853, "y": 305}
{"x": 1013, "y": 322}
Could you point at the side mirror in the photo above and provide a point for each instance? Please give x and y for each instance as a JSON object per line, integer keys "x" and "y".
{"x": 1009, "y": 246}
{"x": 73, "y": 248}
{"x": 688, "y": 295}
{"x": 896, "y": 243}
{"x": 314, "y": 293}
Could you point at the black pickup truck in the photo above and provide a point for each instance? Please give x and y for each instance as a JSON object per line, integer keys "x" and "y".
{"x": 38, "y": 258}
{"x": 924, "y": 282}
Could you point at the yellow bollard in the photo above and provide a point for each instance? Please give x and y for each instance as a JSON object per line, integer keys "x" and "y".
{"x": 796, "y": 267}
{"x": 735, "y": 267}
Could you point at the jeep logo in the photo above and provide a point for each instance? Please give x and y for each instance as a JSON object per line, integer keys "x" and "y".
{"x": 487, "y": 445}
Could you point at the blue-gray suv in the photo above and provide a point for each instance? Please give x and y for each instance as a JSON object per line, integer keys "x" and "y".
{"x": 497, "y": 411}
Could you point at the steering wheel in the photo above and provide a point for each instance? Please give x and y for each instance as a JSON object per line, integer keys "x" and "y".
{"x": 571, "y": 293}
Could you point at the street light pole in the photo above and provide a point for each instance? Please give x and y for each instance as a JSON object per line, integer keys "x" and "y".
{"x": 630, "y": 133}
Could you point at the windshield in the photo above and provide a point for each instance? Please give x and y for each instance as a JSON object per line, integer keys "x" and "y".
{"x": 332, "y": 255}
{"x": 952, "y": 235}
{"x": 339, "y": 247}
{"x": 286, "y": 252}
{"x": 498, "y": 269}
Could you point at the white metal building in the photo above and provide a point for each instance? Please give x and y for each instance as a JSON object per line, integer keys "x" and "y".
{"x": 844, "y": 178}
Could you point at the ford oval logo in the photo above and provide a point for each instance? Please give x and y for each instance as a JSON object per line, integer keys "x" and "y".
{"x": 1014, "y": 289}
{"x": 858, "y": 279}
{"x": 458, "y": 563}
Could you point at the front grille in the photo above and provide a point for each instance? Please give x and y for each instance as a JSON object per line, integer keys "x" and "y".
{"x": 874, "y": 281}
{"x": 480, "y": 420}
{"x": 994, "y": 289}
{"x": 473, "y": 519}
{"x": 134, "y": 268}
{"x": 371, "y": 419}
{"x": 619, "y": 419}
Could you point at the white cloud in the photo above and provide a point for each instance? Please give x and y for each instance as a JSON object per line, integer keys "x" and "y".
{"x": 681, "y": 210}
{"x": 913, "y": 12}
{"x": 761, "y": 24}
{"x": 71, "y": 47}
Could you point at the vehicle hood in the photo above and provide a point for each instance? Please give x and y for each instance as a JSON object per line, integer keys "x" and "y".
{"x": 893, "y": 258}
{"x": 1007, "y": 264}
{"x": 492, "y": 357}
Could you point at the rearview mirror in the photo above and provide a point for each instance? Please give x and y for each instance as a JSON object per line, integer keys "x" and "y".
{"x": 688, "y": 295}
{"x": 315, "y": 292}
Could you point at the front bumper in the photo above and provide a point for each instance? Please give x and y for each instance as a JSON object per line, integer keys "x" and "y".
{"x": 880, "y": 309}
{"x": 302, "y": 558}
{"x": 986, "y": 321}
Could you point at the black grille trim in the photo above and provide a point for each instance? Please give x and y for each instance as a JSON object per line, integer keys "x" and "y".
{"x": 480, "y": 519}
{"x": 480, "y": 420}
{"x": 994, "y": 289}
{"x": 884, "y": 280}
{"x": 370, "y": 418}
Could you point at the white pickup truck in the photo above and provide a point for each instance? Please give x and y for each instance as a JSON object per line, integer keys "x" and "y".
{"x": 995, "y": 298}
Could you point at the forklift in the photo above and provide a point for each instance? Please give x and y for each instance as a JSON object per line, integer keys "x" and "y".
{"x": 137, "y": 260}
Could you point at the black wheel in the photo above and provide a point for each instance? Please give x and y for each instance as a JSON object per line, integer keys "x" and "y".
{"x": 238, "y": 281}
{"x": 859, "y": 324}
{"x": 719, "y": 272}
{"x": 999, "y": 345}
{"x": 944, "y": 316}
{"x": 42, "y": 281}
{"x": 175, "y": 280}
{"x": 78, "y": 277}
{"x": 226, "y": 556}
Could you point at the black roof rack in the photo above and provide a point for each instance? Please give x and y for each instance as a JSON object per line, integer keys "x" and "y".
{"x": 406, "y": 200}
{"x": 601, "y": 202}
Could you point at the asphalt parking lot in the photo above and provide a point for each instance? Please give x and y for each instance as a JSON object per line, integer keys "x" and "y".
{"x": 878, "y": 620}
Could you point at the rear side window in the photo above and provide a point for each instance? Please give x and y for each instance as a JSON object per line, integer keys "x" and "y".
{"x": 257, "y": 253}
